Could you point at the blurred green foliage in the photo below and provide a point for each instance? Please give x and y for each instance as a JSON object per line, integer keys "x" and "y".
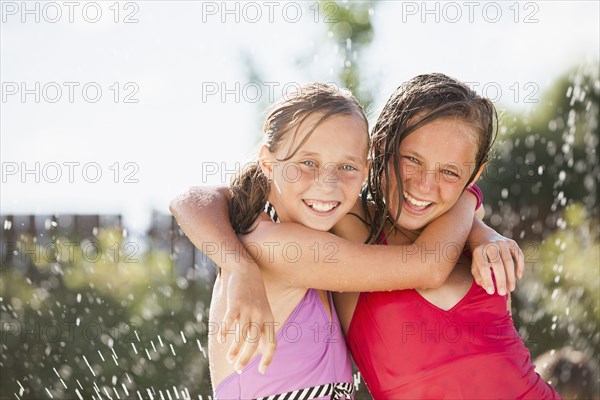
{"x": 541, "y": 189}
{"x": 81, "y": 322}
{"x": 351, "y": 29}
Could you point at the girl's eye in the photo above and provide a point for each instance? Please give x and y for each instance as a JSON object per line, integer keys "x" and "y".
{"x": 411, "y": 159}
{"x": 309, "y": 163}
{"x": 450, "y": 173}
{"x": 348, "y": 168}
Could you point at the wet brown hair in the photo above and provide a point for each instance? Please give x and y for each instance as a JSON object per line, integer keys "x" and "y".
{"x": 419, "y": 101}
{"x": 250, "y": 190}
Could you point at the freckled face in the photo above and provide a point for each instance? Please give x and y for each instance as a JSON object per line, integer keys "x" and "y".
{"x": 436, "y": 162}
{"x": 321, "y": 182}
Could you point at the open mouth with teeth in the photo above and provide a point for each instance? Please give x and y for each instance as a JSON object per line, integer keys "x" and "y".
{"x": 321, "y": 207}
{"x": 414, "y": 204}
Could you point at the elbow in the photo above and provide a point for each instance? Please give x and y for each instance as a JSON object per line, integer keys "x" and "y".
{"x": 178, "y": 204}
{"x": 173, "y": 206}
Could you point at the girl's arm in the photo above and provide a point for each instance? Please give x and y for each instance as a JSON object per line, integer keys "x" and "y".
{"x": 425, "y": 263}
{"x": 202, "y": 214}
{"x": 302, "y": 257}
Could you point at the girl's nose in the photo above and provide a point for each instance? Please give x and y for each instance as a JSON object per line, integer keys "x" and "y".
{"x": 427, "y": 179}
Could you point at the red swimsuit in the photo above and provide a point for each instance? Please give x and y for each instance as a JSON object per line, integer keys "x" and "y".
{"x": 407, "y": 348}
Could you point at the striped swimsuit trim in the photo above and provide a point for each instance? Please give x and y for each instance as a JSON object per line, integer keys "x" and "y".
{"x": 270, "y": 210}
{"x": 335, "y": 390}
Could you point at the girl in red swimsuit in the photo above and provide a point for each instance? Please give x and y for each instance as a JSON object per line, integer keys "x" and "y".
{"x": 456, "y": 341}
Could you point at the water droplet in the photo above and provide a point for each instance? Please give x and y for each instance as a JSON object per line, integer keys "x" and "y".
{"x": 562, "y": 175}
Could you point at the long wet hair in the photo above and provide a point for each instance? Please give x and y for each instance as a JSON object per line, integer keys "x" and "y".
{"x": 250, "y": 190}
{"x": 419, "y": 101}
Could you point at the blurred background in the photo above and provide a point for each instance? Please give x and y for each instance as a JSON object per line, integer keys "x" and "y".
{"x": 110, "y": 109}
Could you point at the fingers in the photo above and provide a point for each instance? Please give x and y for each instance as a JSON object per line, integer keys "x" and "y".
{"x": 476, "y": 275}
{"x": 268, "y": 346}
{"x": 503, "y": 257}
{"x": 519, "y": 257}
{"x": 481, "y": 269}
{"x": 228, "y": 321}
{"x": 237, "y": 343}
{"x": 251, "y": 336}
{"x": 247, "y": 338}
{"x": 493, "y": 252}
{"x": 509, "y": 266}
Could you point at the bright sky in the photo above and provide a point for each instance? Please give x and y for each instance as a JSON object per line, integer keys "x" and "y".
{"x": 198, "y": 111}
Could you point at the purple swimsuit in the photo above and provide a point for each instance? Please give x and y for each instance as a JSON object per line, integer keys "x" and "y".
{"x": 311, "y": 361}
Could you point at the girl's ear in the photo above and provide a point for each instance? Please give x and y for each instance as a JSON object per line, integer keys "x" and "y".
{"x": 265, "y": 162}
{"x": 478, "y": 174}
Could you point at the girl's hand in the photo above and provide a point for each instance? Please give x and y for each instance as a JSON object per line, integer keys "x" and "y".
{"x": 494, "y": 252}
{"x": 249, "y": 314}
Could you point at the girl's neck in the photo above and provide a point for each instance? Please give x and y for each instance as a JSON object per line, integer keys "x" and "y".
{"x": 404, "y": 234}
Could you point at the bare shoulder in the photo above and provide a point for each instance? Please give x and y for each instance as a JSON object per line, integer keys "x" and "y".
{"x": 352, "y": 226}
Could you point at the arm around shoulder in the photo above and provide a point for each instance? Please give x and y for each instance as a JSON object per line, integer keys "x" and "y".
{"x": 301, "y": 257}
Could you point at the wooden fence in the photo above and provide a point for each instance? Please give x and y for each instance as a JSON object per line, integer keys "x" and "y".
{"x": 162, "y": 234}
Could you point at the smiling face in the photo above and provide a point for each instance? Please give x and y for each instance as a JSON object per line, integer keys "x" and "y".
{"x": 436, "y": 162}
{"x": 320, "y": 183}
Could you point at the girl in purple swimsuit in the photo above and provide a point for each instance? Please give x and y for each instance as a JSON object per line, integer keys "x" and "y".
{"x": 318, "y": 126}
